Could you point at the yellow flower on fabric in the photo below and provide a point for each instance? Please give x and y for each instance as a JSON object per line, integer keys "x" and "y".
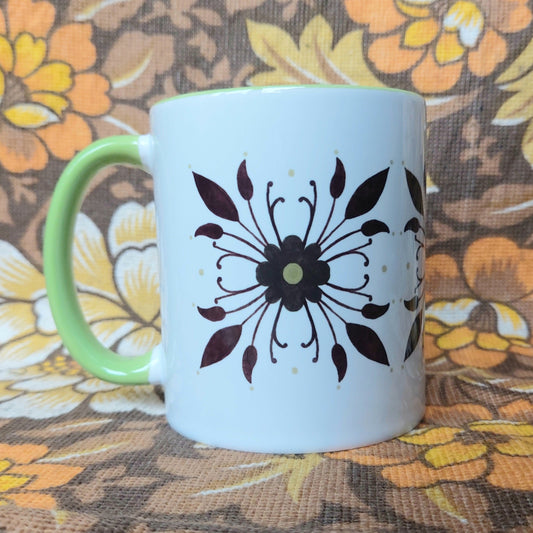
{"x": 118, "y": 288}
{"x": 436, "y": 40}
{"x": 47, "y": 88}
{"x": 26, "y": 476}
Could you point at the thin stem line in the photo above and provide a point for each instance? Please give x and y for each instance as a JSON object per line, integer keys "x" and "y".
{"x": 320, "y": 306}
{"x": 346, "y": 306}
{"x": 245, "y": 242}
{"x": 340, "y": 239}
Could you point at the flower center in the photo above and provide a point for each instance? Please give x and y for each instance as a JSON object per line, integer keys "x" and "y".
{"x": 14, "y": 92}
{"x": 293, "y": 273}
{"x": 483, "y": 318}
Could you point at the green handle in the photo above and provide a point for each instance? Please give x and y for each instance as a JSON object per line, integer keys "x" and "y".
{"x": 58, "y": 267}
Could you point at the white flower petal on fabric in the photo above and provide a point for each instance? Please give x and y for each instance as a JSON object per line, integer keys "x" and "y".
{"x": 44, "y": 320}
{"x": 111, "y": 331}
{"x": 509, "y": 323}
{"x": 452, "y": 313}
{"x": 47, "y": 382}
{"x": 137, "y": 278}
{"x": 97, "y": 308}
{"x": 465, "y": 17}
{"x": 132, "y": 226}
{"x": 41, "y": 405}
{"x": 92, "y": 268}
{"x": 123, "y": 399}
{"x": 28, "y": 350}
{"x": 93, "y": 385}
{"x": 16, "y": 321}
{"x": 6, "y": 393}
{"x": 139, "y": 342}
{"x": 19, "y": 279}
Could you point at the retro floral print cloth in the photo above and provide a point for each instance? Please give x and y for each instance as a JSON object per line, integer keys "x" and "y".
{"x": 80, "y": 454}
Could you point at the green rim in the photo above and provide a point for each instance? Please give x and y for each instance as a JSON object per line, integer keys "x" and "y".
{"x": 58, "y": 268}
{"x": 288, "y": 87}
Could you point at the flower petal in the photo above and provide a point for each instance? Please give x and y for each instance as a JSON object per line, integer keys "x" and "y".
{"x": 29, "y": 54}
{"x": 477, "y": 357}
{"x": 124, "y": 399}
{"x": 132, "y": 225}
{"x": 53, "y": 77}
{"x": 47, "y": 382}
{"x": 16, "y": 320}
{"x": 92, "y": 269}
{"x": 139, "y": 341}
{"x": 381, "y": 20}
{"x": 93, "y": 385}
{"x": 492, "y": 50}
{"x": 430, "y": 436}
{"x": 28, "y": 350}
{"x": 523, "y": 446}
{"x": 30, "y": 115}
{"x": 448, "y": 48}
{"x": 420, "y": 33}
{"x": 33, "y": 500}
{"x": 72, "y": 44}
{"x": 109, "y": 332}
{"x": 503, "y": 427}
{"x": 23, "y": 453}
{"x": 431, "y": 77}
{"x": 53, "y": 101}
{"x": 454, "y": 453}
{"x": 28, "y": 16}
{"x": 491, "y": 341}
{"x": 7, "y": 57}
{"x": 20, "y": 150}
{"x": 417, "y": 474}
{"x": 137, "y": 276}
{"x": 97, "y": 308}
{"x": 45, "y": 475}
{"x": 451, "y": 313}
{"x": 19, "y": 279}
{"x": 465, "y": 18}
{"x": 389, "y": 56}
{"x": 510, "y": 324}
{"x": 515, "y": 473}
{"x": 43, "y": 314}
{"x": 89, "y": 94}
{"x": 456, "y": 338}
{"x": 66, "y": 138}
{"x": 41, "y": 405}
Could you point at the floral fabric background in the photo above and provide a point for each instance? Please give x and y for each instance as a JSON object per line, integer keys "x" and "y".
{"x": 83, "y": 455}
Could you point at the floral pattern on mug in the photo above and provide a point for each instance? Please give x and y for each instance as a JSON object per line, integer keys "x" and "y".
{"x": 294, "y": 272}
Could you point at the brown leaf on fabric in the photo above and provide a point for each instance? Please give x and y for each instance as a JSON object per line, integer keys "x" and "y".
{"x": 123, "y": 119}
{"x": 221, "y": 73}
{"x": 438, "y": 108}
{"x": 208, "y": 16}
{"x": 504, "y": 205}
{"x": 106, "y": 15}
{"x": 233, "y": 6}
{"x": 453, "y": 506}
{"x": 169, "y": 91}
{"x": 5, "y": 217}
{"x": 289, "y": 484}
{"x": 442, "y": 233}
{"x": 124, "y": 190}
{"x": 290, "y": 7}
{"x": 480, "y": 147}
{"x": 134, "y": 61}
{"x": 205, "y": 44}
{"x": 21, "y": 189}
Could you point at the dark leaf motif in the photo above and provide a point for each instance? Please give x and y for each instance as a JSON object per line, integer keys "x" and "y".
{"x": 216, "y": 199}
{"x": 338, "y": 180}
{"x": 367, "y": 343}
{"x": 373, "y": 227}
{"x": 244, "y": 183}
{"x": 249, "y": 359}
{"x": 215, "y": 314}
{"x": 339, "y": 360}
{"x": 221, "y": 344}
{"x": 373, "y": 311}
{"x": 414, "y": 336}
{"x": 413, "y": 225}
{"x": 415, "y": 191}
{"x": 367, "y": 195}
{"x": 412, "y": 304}
{"x": 213, "y": 231}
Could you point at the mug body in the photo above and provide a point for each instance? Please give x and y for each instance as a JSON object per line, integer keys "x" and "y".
{"x": 291, "y": 237}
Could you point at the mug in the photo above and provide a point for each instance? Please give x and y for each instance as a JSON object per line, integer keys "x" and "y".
{"x": 290, "y": 228}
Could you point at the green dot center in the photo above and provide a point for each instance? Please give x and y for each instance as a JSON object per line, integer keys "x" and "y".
{"x": 293, "y": 273}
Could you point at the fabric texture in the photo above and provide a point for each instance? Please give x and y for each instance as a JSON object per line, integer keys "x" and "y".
{"x": 79, "y": 454}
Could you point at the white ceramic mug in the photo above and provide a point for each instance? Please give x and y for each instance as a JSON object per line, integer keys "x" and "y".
{"x": 290, "y": 226}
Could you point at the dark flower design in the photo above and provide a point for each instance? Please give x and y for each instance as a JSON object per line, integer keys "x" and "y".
{"x": 292, "y": 273}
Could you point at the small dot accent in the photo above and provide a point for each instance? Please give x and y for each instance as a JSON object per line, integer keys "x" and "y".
{"x": 201, "y": 272}
{"x": 291, "y": 172}
{"x": 384, "y": 268}
{"x": 294, "y": 370}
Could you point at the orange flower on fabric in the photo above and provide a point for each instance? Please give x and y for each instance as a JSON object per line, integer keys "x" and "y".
{"x": 437, "y": 39}
{"x": 498, "y": 450}
{"x": 47, "y": 89}
{"x": 480, "y": 313}
{"x": 25, "y": 476}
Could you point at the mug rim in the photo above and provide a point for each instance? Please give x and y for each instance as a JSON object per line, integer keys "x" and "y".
{"x": 287, "y": 87}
